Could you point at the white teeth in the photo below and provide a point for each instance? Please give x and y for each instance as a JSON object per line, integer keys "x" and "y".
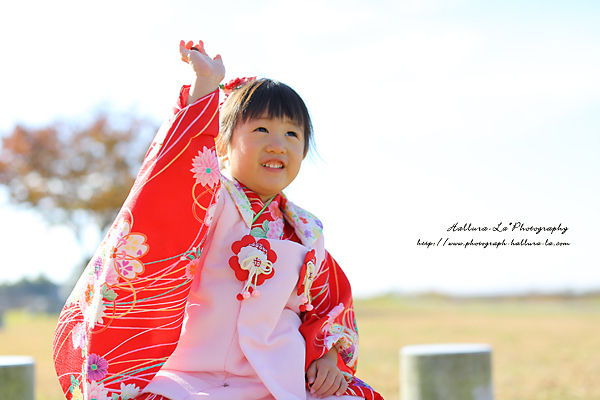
{"x": 273, "y": 165}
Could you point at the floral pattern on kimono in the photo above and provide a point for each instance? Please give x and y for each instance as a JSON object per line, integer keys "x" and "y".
{"x": 124, "y": 317}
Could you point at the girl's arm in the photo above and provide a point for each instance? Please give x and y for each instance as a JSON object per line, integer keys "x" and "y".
{"x": 209, "y": 71}
{"x": 330, "y": 331}
{"x": 124, "y": 317}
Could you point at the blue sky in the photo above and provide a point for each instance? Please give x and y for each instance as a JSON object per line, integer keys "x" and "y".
{"x": 426, "y": 113}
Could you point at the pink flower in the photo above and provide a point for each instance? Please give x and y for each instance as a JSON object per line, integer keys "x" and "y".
{"x": 97, "y": 367}
{"x": 205, "y": 167}
{"x": 332, "y": 315}
{"x": 275, "y": 229}
{"x": 112, "y": 276}
{"x": 96, "y": 391}
{"x": 190, "y": 269}
{"x": 274, "y": 210}
{"x": 79, "y": 336}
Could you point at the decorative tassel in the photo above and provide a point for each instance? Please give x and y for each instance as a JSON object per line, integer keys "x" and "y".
{"x": 307, "y": 277}
{"x": 255, "y": 266}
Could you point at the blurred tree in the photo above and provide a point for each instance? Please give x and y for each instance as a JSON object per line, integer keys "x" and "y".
{"x": 39, "y": 294}
{"x": 75, "y": 176}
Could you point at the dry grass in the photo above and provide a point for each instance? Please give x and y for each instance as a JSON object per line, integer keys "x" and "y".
{"x": 31, "y": 335}
{"x": 543, "y": 350}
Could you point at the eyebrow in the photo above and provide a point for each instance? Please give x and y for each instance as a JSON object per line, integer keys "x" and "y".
{"x": 297, "y": 124}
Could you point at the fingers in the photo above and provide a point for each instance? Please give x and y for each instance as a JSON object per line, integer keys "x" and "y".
{"x": 189, "y": 46}
{"x": 343, "y": 387}
{"x": 185, "y": 49}
{"x": 318, "y": 382}
{"x": 185, "y": 53}
{"x": 311, "y": 373}
{"x": 199, "y": 47}
{"x": 325, "y": 388}
{"x": 332, "y": 384}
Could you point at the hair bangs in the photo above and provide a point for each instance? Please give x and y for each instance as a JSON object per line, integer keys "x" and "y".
{"x": 274, "y": 100}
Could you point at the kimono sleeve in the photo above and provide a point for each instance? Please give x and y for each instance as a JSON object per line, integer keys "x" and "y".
{"x": 124, "y": 317}
{"x": 332, "y": 323}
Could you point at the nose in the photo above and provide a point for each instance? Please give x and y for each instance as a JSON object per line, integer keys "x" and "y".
{"x": 275, "y": 145}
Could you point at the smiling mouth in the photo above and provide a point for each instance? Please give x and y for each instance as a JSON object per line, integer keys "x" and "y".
{"x": 273, "y": 165}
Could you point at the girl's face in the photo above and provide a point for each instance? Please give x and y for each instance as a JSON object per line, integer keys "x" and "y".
{"x": 265, "y": 154}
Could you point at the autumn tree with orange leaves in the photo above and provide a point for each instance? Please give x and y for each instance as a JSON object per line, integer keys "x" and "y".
{"x": 74, "y": 176}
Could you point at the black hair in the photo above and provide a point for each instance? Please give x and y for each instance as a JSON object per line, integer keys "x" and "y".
{"x": 264, "y": 98}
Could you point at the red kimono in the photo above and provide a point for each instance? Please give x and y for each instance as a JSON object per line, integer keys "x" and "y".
{"x": 124, "y": 317}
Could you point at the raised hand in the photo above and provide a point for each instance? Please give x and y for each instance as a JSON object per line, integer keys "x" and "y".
{"x": 209, "y": 71}
{"x": 202, "y": 64}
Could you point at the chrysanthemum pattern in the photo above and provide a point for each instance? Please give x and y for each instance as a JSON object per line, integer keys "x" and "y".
{"x": 205, "y": 167}
{"x": 97, "y": 367}
{"x": 97, "y": 391}
{"x": 129, "y": 391}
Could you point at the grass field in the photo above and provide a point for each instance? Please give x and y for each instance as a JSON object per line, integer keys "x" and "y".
{"x": 543, "y": 349}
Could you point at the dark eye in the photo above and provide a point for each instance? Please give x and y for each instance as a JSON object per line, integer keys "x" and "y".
{"x": 262, "y": 129}
{"x": 292, "y": 133}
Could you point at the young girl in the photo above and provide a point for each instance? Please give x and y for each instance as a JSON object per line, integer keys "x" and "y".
{"x": 209, "y": 284}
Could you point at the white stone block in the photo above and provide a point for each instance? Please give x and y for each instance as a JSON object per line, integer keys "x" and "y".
{"x": 446, "y": 372}
{"x": 16, "y": 378}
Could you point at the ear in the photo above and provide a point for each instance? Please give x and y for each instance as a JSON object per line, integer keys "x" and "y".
{"x": 223, "y": 163}
{"x": 221, "y": 152}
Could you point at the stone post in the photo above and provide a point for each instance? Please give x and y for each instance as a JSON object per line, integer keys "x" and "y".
{"x": 16, "y": 378}
{"x": 446, "y": 372}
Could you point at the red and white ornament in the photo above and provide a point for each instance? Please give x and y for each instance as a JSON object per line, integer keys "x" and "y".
{"x": 252, "y": 263}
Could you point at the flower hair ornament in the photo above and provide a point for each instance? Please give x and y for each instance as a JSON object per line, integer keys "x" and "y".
{"x": 234, "y": 84}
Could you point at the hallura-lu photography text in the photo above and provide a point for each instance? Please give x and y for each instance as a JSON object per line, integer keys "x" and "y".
{"x": 498, "y": 242}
